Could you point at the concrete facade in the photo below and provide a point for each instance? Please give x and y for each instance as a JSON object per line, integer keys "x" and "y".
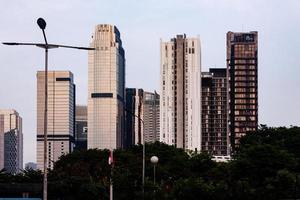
{"x": 214, "y": 112}
{"x": 180, "y": 100}
{"x": 151, "y": 117}
{"x": 142, "y": 116}
{"x": 61, "y": 116}
{"x": 242, "y": 68}
{"x": 106, "y": 89}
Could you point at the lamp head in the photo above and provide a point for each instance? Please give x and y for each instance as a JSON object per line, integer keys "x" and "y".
{"x": 42, "y": 23}
{"x": 154, "y": 160}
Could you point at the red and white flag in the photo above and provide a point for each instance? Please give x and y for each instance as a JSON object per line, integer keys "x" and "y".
{"x": 110, "y": 158}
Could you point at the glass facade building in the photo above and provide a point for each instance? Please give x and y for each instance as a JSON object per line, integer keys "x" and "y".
{"x": 134, "y": 117}
{"x": 142, "y": 116}
{"x": 11, "y": 141}
{"x": 81, "y": 130}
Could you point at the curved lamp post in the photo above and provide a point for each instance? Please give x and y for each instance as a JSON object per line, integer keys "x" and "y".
{"x": 42, "y": 24}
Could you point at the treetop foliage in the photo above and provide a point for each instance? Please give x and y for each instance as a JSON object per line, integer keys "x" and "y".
{"x": 265, "y": 166}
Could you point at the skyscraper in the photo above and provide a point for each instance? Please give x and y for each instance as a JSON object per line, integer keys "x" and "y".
{"x": 134, "y": 117}
{"x": 81, "y": 127}
{"x": 151, "y": 116}
{"x": 214, "y": 111}
{"x": 180, "y": 100}
{"x": 31, "y": 165}
{"x": 11, "y": 141}
{"x": 242, "y": 87}
{"x": 106, "y": 89}
{"x": 142, "y": 116}
{"x": 61, "y": 115}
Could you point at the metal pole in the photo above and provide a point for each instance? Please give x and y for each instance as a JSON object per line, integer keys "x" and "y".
{"x": 42, "y": 24}
{"x": 45, "y": 123}
{"x": 111, "y": 190}
{"x": 10, "y": 122}
{"x": 111, "y": 197}
{"x": 143, "y": 143}
{"x": 154, "y": 174}
{"x": 143, "y": 174}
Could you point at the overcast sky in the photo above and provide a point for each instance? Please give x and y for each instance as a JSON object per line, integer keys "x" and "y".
{"x": 142, "y": 23}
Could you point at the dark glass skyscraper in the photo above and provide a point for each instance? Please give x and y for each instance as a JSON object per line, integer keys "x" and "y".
{"x": 242, "y": 88}
{"x": 81, "y": 127}
{"x": 142, "y": 117}
{"x": 133, "y": 116}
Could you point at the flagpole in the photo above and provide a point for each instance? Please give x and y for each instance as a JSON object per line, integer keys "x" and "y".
{"x": 111, "y": 162}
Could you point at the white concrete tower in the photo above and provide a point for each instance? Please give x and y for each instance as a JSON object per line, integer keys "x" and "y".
{"x": 180, "y": 100}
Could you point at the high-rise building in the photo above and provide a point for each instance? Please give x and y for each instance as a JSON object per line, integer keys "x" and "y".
{"x": 151, "y": 117}
{"x": 180, "y": 100}
{"x": 61, "y": 116}
{"x": 134, "y": 117}
{"x": 31, "y": 165}
{"x": 106, "y": 89}
{"x": 11, "y": 141}
{"x": 214, "y": 111}
{"x": 81, "y": 127}
{"x": 242, "y": 87}
{"x": 1, "y": 141}
{"x": 142, "y": 116}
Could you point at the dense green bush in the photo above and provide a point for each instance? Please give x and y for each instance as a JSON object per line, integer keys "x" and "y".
{"x": 265, "y": 166}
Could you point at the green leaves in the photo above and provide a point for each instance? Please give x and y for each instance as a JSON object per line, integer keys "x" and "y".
{"x": 266, "y": 166}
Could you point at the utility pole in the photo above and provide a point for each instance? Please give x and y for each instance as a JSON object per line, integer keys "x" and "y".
{"x": 42, "y": 24}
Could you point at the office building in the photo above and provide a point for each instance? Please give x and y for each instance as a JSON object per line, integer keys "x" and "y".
{"x": 81, "y": 127}
{"x": 242, "y": 87}
{"x": 31, "y": 165}
{"x": 151, "y": 117}
{"x": 180, "y": 100}
{"x": 106, "y": 89}
{"x": 134, "y": 117}
{"x": 214, "y": 112}
{"x": 61, "y": 116}
{"x": 142, "y": 116}
{"x": 11, "y": 141}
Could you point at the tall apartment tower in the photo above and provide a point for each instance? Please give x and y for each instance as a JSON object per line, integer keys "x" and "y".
{"x": 151, "y": 117}
{"x": 61, "y": 116}
{"x": 106, "y": 89}
{"x": 214, "y": 111}
{"x": 11, "y": 141}
{"x": 81, "y": 127}
{"x": 180, "y": 82}
{"x": 242, "y": 87}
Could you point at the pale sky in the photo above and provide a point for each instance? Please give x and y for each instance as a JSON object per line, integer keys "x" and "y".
{"x": 142, "y": 23}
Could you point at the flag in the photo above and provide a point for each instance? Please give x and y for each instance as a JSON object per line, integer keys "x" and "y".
{"x": 110, "y": 158}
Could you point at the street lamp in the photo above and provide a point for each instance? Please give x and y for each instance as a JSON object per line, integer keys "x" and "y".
{"x": 143, "y": 143}
{"x": 154, "y": 161}
{"x": 42, "y": 24}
